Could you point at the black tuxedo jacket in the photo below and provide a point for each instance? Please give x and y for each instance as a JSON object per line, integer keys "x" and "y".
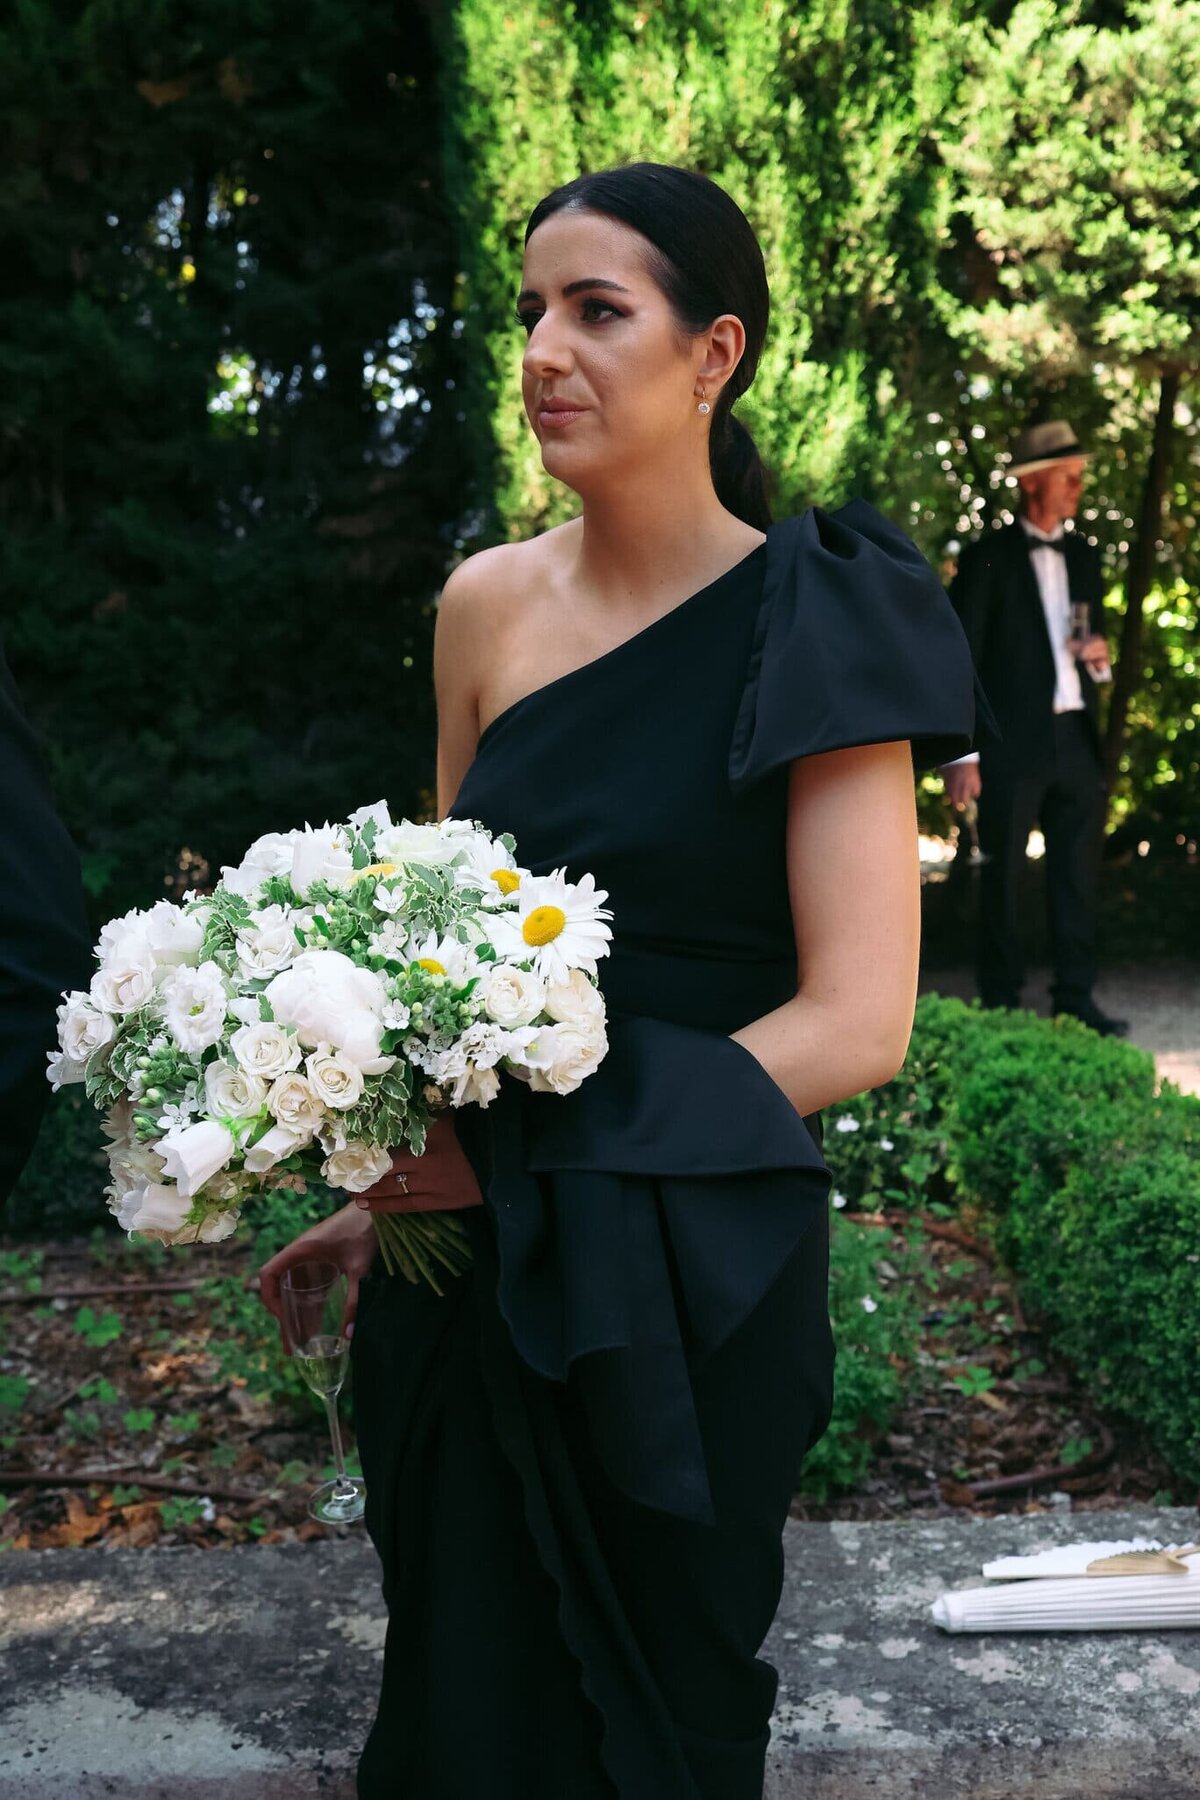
{"x": 44, "y": 940}
{"x": 996, "y": 595}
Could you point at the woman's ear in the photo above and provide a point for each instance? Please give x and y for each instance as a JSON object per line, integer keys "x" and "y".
{"x": 724, "y": 344}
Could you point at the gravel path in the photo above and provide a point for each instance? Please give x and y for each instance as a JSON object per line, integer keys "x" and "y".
{"x": 1161, "y": 1002}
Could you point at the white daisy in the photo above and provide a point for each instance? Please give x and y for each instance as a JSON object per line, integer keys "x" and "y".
{"x": 445, "y": 956}
{"x": 557, "y": 925}
{"x": 485, "y": 863}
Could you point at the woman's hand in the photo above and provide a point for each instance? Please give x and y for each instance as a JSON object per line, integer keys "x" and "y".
{"x": 346, "y": 1238}
{"x": 442, "y": 1180}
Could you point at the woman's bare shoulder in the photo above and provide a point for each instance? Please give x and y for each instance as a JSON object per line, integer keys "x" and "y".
{"x": 492, "y": 579}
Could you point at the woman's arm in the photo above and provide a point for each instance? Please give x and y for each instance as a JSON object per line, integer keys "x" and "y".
{"x": 854, "y": 878}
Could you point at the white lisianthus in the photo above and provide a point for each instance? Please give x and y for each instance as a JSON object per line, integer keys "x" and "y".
{"x": 154, "y": 1210}
{"x": 357, "y": 1167}
{"x": 319, "y": 854}
{"x": 231, "y": 1093}
{"x": 409, "y": 843}
{"x": 377, "y": 811}
{"x": 217, "y": 1226}
{"x": 133, "y": 1164}
{"x": 512, "y": 996}
{"x": 267, "y": 943}
{"x": 197, "y": 1152}
{"x": 83, "y": 1028}
{"x": 173, "y": 936}
{"x": 268, "y": 855}
{"x": 575, "y": 1001}
{"x": 330, "y": 1000}
{"x": 557, "y": 926}
{"x": 295, "y": 1103}
{"x": 195, "y": 1006}
{"x": 125, "y": 980}
{"x": 130, "y": 925}
{"x": 265, "y": 1049}
{"x": 336, "y": 1080}
{"x": 275, "y": 1146}
{"x": 560, "y": 1057}
{"x": 62, "y": 1072}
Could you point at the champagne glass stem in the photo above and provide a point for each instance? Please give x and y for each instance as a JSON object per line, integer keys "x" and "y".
{"x": 344, "y": 1484}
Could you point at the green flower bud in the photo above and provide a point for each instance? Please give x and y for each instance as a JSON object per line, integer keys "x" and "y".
{"x": 153, "y": 1095}
{"x": 143, "y": 1062}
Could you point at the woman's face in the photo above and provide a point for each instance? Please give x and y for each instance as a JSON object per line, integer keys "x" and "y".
{"x": 603, "y": 342}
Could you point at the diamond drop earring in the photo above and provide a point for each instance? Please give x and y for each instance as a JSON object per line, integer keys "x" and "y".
{"x": 703, "y": 407}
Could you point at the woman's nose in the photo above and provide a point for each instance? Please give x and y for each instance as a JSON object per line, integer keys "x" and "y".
{"x": 546, "y": 351}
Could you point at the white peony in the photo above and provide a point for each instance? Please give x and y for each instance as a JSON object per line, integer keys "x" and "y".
{"x": 575, "y": 1001}
{"x": 268, "y": 855}
{"x": 357, "y": 1167}
{"x": 195, "y": 1006}
{"x": 512, "y": 996}
{"x": 172, "y": 935}
{"x": 319, "y": 854}
{"x": 265, "y": 1049}
{"x": 275, "y": 1146}
{"x": 267, "y": 943}
{"x": 327, "y": 999}
{"x": 295, "y": 1103}
{"x": 125, "y": 980}
{"x": 336, "y": 1080}
{"x": 82, "y": 1028}
{"x": 197, "y": 1152}
{"x": 231, "y": 1093}
{"x": 560, "y": 1057}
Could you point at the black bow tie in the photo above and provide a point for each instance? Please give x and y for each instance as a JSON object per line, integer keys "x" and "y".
{"x": 1037, "y": 543}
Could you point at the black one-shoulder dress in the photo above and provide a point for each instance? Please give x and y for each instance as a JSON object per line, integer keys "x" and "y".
{"x": 579, "y": 1461}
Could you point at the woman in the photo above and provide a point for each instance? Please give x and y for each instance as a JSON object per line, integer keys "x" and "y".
{"x": 579, "y": 1461}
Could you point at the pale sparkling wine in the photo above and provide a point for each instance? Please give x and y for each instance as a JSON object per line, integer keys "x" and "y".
{"x": 322, "y": 1363}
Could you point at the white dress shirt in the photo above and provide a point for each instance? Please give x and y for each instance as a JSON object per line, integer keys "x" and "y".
{"x": 1050, "y": 572}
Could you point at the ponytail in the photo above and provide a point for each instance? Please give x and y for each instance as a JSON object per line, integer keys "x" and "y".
{"x": 738, "y": 472}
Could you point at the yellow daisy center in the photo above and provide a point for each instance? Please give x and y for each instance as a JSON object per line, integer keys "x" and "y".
{"x": 543, "y": 924}
{"x": 375, "y": 869}
{"x": 507, "y": 880}
{"x": 431, "y": 965}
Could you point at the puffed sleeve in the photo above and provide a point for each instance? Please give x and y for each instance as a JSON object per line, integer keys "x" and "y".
{"x": 856, "y": 642}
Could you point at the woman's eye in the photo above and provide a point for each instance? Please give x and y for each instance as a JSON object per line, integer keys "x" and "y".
{"x": 603, "y": 306}
{"x": 590, "y": 308}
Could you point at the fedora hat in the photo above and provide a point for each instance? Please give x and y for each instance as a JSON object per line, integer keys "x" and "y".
{"x": 1041, "y": 446}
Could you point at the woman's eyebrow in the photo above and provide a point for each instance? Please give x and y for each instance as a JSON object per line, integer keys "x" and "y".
{"x": 575, "y": 287}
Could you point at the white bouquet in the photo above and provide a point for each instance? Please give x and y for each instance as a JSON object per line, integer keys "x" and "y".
{"x": 334, "y": 992}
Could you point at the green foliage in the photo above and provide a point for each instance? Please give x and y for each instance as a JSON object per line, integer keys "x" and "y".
{"x": 97, "y": 1330}
{"x": 62, "y": 1185}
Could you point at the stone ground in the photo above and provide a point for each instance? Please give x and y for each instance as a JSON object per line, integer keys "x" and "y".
{"x": 1160, "y": 1000}
{"x": 251, "y": 1674}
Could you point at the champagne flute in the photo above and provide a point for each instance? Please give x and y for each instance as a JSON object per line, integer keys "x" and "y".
{"x": 314, "y": 1297}
{"x": 1080, "y": 627}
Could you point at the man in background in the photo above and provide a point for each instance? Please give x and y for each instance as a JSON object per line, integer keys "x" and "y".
{"x": 44, "y": 940}
{"x": 1031, "y": 601}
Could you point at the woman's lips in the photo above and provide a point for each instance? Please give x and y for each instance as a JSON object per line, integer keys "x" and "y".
{"x": 556, "y": 419}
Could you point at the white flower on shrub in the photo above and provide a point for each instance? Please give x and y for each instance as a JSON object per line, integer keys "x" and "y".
{"x": 336, "y": 1081}
{"x": 846, "y": 1123}
{"x": 265, "y": 1049}
{"x": 886, "y": 1144}
{"x": 194, "y": 1002}
{"x": 869, "y": 1305}
{"x": 839, "y": 1200}
{"x": 356, "y": 1167}
{"x": 192, "y": 1155}
{"x": 231, "y": 1093}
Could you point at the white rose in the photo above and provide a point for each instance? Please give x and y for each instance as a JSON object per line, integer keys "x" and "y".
{"x": 268, "y": 855}
{"x": 154, "y": 1209}
{"x": 336, "y": 1081}
{"x": 268, "y": 943}
{"x": 61, "y": 1072}
{"x": 82, "y": 1029}
{"x": 275, "y": 1146}
{"x": 409, "y": 843}
{"x": 294, "y": 1102}
{"x": 329, "y": 1000}
{"x": 512, "y": 996}
{"x": 125, "y": 980}
{"x": 195, "y": 1006}
{"x": 266, "y": 1050}
{"x": 357, "y": 1167}
{"x": 192, "y": 1155}
{"x": 575, "y": 1001}
{"x": 129, "y": 925}
{"x": 319, "y": 855}
{"x": 173, "y": 936}
{"x": 561, "y": 1056}
{"x": 231, "y": 1093}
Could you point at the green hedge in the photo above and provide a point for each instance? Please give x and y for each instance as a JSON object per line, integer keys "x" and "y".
{"x": 1086, "y": 1179}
